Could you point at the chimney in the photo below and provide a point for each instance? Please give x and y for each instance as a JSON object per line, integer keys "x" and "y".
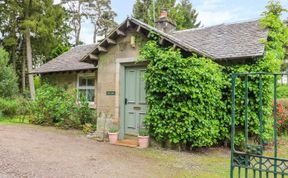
{"x": 164, "y": 23}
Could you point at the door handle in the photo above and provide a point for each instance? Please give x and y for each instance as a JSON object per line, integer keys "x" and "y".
{"x": 126, "y": 101}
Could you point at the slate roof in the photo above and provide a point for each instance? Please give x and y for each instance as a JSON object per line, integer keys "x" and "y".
{"x": 226, "y": 41}
{"x": 68, "y": 61}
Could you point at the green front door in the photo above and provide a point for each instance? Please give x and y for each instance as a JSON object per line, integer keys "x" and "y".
{"x": 135, "y": 103}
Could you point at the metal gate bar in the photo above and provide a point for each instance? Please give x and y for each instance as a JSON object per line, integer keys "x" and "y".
{"x": 253, "y": 162}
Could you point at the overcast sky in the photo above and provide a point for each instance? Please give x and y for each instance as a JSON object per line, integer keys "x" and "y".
{"x": 211, "y": 12}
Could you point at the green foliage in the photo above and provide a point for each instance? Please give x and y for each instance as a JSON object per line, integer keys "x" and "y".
{"x": 271, "y": 62}
{"x": 184, "y": 97}
{"x": 189, "y": 98}
{"x": 37, "y": 82}
{"x": 8, "y": 78}
{"x": 55, "y": 106}
{"x": 85, "y": 113}
{"x": 143, "y": 132}
{"x": 8, "y": 107}
{"x": 14, "y": 107}
{"x": 113, "y": 129}
{"x": 88, "y": 128}
{"x": 58, "y": 50}
{"x": 181, "y": 13}
{"x": 282, "y": 91}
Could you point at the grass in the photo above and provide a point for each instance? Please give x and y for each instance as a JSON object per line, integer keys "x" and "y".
{"x": 211, "y": 162}
{"x": 14, "y": 120}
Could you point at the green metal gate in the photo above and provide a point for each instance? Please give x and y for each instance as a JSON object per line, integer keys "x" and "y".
{"x": 250, "y": 162}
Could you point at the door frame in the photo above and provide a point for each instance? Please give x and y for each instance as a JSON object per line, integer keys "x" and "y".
{"x": 122, "y": 67}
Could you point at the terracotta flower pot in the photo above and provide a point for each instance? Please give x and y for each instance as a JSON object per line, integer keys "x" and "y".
{"x": 143, "y": 141}
{"x": 113, "y": 137}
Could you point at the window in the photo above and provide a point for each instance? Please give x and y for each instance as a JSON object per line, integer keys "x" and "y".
{"x": 86, "y": 87}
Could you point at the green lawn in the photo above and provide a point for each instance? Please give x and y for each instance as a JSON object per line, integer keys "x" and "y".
{"x": 14, "y": 120}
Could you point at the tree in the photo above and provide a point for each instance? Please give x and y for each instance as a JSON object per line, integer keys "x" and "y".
{"x": 30, "y": 30}
{"x": 8, "y": 78}
{"x": 185, "y": 15}
{"x": 102, "y": 17}
{"x": 181, "y": 13}
{"x": 77, "y": 10}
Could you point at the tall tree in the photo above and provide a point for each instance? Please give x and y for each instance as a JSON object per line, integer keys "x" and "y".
{"x": 101, "y": 16}
{"x": 185, "y": 15}
{"x": 31, "y": 28}
{"x": 78, "y": 12}
{"x": 181, "y": 13}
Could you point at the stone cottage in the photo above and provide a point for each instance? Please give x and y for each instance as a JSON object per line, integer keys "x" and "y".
{"x": 109, "y": 76}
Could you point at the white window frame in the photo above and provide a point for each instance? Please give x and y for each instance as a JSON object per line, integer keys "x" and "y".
{"x": 87, "y": 76}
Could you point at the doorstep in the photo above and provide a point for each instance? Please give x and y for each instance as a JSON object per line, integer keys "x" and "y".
{"x": 127, "y": 143}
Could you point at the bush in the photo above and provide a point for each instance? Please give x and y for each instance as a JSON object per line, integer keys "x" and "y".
{"x": 14, "y": 107}
{"x": 282, "y": 116}
{"x": 8, "y": 78}
{"x": 8, "y": 107}
{"x": 282, "y": 91}
{"x": 85, "y": 113}
{"x": 56, "y": 107}
{"x": 184, "y": 97}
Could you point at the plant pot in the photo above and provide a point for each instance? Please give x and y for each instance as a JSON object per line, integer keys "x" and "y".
{"x": 143, "y": 141}
{"x": 113, "y": 137}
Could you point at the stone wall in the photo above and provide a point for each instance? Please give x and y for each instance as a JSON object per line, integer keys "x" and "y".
{"x": 109, "y": 80}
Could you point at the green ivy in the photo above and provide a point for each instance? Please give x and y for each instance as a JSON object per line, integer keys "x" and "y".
{"x": 190, "y": 98}
{"x": 271, "y": 62}
{"x": 184, "y": 97}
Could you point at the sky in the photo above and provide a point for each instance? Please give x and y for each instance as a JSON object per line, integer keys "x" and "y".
{"x": 211, "y": 12}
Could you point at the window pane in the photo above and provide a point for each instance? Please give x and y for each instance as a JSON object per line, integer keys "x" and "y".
{"x": 82, "y": 82}
{"x": 91, "y": 82}
{"x": 90, "y": 95}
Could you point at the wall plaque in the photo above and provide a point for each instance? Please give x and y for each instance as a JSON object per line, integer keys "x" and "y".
{"x": 110, "y": 93}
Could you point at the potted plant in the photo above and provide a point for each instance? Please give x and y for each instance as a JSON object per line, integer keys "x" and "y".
{"x": 143, "y": 138}
{"x": 113, "y": 135}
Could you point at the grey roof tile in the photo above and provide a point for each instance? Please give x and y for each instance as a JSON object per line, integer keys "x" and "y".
{"x": 224, "y": 41}
{"x": 68, "y": 61}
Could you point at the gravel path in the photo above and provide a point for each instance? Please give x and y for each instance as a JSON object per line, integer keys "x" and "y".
{"x": 32, "y": 151}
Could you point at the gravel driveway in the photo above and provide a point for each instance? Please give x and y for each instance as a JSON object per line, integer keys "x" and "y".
{"x": 32, "y": 151}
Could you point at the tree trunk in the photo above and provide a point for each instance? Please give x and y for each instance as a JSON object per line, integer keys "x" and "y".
{"x": 95, "y": 34}
{"x": 23, "y": 69}
{"x": 78, "y": 30}
{"x": 13, "y": 56}
{"x": 29, "y": 63}
{"x": 29, "y": 54}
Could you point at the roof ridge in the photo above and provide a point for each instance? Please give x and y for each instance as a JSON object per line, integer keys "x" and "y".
{"x": 227, "y": 23}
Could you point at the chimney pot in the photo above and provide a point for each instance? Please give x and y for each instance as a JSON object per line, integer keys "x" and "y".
{"x": 164, "y": 23}
{"x": 164, "y": 13}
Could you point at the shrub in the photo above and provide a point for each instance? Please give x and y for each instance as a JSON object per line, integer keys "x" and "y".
{"x": 85, "y": 113}
{"x": 56, "y": 107}
{"x": 14, "y": 107}
{"x": 8, "y": 78}
{"x": 184, "y": 97}
{"x": 282, "y": 116}
{"x": 8, "y": 107}
{"x": 282, "y": 91}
